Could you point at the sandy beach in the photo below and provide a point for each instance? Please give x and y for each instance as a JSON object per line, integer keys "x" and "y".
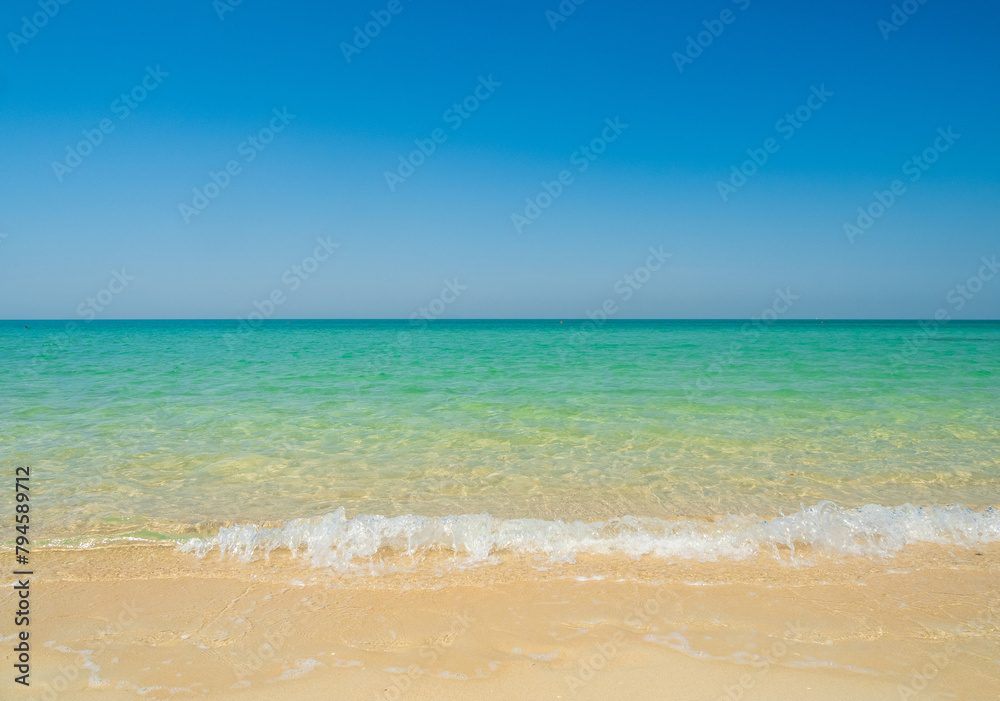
{"x": 129, "y": 622}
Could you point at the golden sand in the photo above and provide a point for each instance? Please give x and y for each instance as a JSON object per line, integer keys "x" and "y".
{"x": 143, "y": 621}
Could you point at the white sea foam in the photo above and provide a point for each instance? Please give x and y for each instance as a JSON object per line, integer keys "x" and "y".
{"x": 339, "y": 542}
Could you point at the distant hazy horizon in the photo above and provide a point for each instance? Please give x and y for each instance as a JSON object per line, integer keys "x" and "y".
{"x": 540, "y": 319}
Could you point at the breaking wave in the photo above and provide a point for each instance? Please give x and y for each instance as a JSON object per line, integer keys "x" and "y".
{"x": 338, "y": 542}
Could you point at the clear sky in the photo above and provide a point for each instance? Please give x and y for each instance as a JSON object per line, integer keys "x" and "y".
{"x": 173, "y": 91}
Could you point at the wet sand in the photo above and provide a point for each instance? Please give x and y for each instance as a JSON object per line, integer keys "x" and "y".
{"x": 145, "y": 621}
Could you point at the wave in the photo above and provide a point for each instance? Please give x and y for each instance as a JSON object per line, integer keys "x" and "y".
{"x": 335, "y": 541}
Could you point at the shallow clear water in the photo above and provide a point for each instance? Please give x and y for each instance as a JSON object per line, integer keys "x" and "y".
{"x": 166, "y": 425}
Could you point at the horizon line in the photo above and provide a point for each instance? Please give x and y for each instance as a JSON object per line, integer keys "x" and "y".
{"x": 258, "y": 322}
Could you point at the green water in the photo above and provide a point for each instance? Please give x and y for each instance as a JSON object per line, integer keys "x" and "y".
{"x": 170, "y": 425}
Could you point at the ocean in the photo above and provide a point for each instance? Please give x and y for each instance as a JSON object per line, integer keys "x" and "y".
{"x": 365, "y": 441}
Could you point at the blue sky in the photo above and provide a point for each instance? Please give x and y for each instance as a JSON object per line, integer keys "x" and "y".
{"x": 214, "y": 83}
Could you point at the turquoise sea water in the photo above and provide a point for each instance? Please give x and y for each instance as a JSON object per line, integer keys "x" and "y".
{"x": 174, "y": 426}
